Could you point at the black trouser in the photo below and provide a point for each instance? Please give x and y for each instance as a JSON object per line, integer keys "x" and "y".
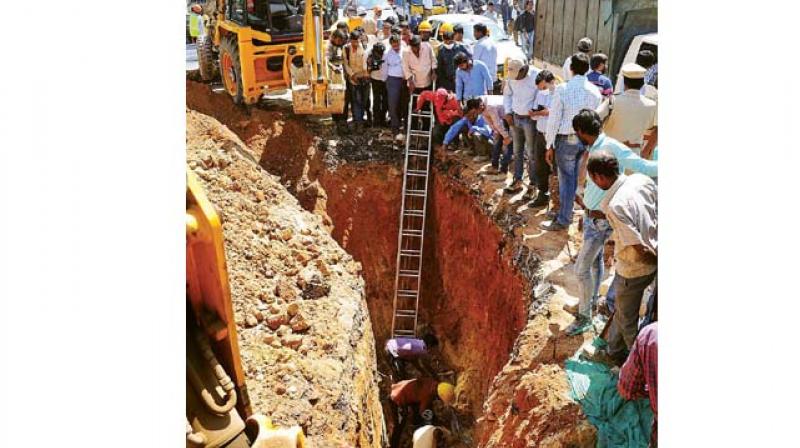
{"x": 404, "y": 97}
{"x": 380, "y": 102}
{"x": 415, "y": 121}
{"x": 439, "y": 131}
{"x": 541, "y": 167}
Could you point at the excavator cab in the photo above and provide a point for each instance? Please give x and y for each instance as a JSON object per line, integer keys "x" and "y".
{"x": 271, "y": 45}
{"x": 218, "y": 411}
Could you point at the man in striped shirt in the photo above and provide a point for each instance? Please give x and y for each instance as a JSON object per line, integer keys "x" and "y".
{"x": 563, "y": 144}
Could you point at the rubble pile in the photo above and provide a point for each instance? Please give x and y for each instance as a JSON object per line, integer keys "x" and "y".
{"x": 304, "y": 330}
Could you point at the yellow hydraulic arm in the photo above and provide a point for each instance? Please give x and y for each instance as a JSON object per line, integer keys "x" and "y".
{"x": 316, "y": 87}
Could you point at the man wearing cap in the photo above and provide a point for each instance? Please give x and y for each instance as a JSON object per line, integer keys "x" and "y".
{"x": 425, "y": 31}
{"x": 630, "y": 113}
{"x": 472, "y": 78}
{"x": 563, "y": 145}
{"x": 386, "y": 30}
{"x": 524, "y": 26}
{"x": 585, "y": 47}
{"x": 445, "y": 59}
{"x": 485, "y": 51}
{"x": 519, "y": 94}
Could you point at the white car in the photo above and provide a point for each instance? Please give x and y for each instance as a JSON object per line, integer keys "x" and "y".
{"x": 369, "y": 5}
{"x": 506, "y": 48}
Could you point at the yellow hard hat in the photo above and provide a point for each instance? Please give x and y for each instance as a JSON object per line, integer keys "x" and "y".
{"x": 446, "y": 392}
{"x": 425, "y": 26}
{"x": 446, "y": 28}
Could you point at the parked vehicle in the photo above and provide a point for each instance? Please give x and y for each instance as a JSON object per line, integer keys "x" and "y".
{"x": 639, "y": 43}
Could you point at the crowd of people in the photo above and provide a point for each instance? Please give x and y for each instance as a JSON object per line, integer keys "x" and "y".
{"x": 584, "y": 148}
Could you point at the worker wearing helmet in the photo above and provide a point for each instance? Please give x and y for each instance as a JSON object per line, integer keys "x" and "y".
{"x": 425, "y": 32}
{"x": 413, "y": 399}
{"x": 445, "y": 65}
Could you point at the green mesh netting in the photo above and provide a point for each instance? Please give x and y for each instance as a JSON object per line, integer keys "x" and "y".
{"x": 619, "y": 422}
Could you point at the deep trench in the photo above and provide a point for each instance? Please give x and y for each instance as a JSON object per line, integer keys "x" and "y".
{"x": 472, "y": 297}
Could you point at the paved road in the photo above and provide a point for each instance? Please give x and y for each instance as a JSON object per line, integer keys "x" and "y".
{"x": 191, "y": 57}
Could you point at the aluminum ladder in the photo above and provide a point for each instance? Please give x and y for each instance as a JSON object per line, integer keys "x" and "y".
{"x": 410, "y": 238}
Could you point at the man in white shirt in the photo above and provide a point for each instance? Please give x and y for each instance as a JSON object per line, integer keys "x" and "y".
{"x": 485, "y": 50}
{"x": 419, "y": 69}
{"x": 631, "y": 207}
{"x": 492, "y": 14}
{"x": 563, "y": 146}
{"x": 585, "y": 47}
{"x": 519, "y": 94}
{"x": 378, "y": 73}
{"x": 394, "y": 84}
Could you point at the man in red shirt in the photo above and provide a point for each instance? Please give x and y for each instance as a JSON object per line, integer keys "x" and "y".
{"x": 418, "y": 393}
{"x": 638, "y": 377}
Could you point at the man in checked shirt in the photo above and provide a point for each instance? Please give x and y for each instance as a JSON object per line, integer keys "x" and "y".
{"x": 563, "y": 144}
{"x": 639, "y": 375}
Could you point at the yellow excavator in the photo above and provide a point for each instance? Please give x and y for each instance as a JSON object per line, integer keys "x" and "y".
{"x": 259, "y": 46}
{"x": 218, "y": 411}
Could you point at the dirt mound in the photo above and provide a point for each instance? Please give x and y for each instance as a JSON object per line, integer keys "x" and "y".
{"x": 304, "y": 329}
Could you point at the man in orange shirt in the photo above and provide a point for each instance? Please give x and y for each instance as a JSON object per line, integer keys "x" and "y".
{"x": 418, "y": 393}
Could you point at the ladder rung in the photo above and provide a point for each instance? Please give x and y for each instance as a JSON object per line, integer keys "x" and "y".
{"x": 407, "y": 273}
{"x": 420, "y": 115}
{"x": 407, "y": 293}
{"x": 417, "y": 173}
{"x": 414, "y": 213}
{"x": 411, "y": 253}
{"x": 412, "y": 232}
{"x": 419, "y": 193}
{"x": 419, "y": 133}
{"x": 413, "y": 152}
{"x": 404, "y": 332}
{"x": 406, "y": 313}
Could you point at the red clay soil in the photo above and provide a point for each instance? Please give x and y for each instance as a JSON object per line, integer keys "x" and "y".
{"x": 472, "y": 295}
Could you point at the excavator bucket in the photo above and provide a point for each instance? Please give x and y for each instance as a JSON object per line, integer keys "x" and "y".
{"x": 317, "y": 97}
{"x": 318, "y": 88}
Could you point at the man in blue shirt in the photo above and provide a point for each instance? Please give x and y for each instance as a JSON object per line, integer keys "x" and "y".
{"x": 485, "y": 51}
{"x": 472, "y": 78}
{"x": 477, "y": 130}
{"x": 598, "y": 64}
{"x": 596, "y": 228}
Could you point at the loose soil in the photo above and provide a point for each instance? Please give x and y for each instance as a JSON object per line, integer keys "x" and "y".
{"x": 493, "y": 285}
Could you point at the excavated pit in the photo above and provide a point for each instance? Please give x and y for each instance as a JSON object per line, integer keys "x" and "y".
{"x": 477, "y": 285}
